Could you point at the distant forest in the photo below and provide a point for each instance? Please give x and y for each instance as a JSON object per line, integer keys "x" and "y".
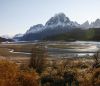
{"x": 92, "y": 34}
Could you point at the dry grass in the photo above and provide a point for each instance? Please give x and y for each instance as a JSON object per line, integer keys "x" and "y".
{"x": 11, "y": 75}
{"x": 82, "y": 69}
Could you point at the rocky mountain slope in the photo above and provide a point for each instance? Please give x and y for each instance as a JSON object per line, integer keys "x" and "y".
{"x": 58, "y": 24}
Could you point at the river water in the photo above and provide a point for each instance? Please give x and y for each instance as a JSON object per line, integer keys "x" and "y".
{"x": 85, "y": 48}
{"x": 80, "y": 49}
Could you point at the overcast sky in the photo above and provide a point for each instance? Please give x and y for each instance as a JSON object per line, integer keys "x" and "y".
{"x": 16, "y": 16}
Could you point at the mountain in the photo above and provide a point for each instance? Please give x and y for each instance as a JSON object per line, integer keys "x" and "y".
{"x": 35, "y": 29}
{"x": 95, "y": 24}
{"x": 59, "y": 20}
{"x": 58, "y": 24}
{"x": 4, "y": 40}
{"x": 17, "y": 37}
{"x": 85, "y": 25}
{"x": 55, "y": 25}
{"x": 6, "y": 36}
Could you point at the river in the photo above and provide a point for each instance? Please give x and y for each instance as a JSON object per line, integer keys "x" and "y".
{"x": 79, "y": 49}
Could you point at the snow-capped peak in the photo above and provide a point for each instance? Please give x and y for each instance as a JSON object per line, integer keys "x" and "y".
{"x": 18, "y": 35}
{"x": 35, "y": 28}
{"x": 62, "y": 17}
{"x": 58, "y": 20}
{"x": 61, "y": 21}
{"x": 85, "y": 25}
{"x": 95, "y": 24}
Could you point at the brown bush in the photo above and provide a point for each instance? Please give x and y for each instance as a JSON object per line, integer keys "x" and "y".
{"x": 8, "y": 73}
{"x": 28, "y": 78}
{"x": 37, "y": 60}
{"x": 96, "y": 77}
{"x": 96, "y": 61}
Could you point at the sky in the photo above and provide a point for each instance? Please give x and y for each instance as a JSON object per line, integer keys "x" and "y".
{"x": 17, "y": 16}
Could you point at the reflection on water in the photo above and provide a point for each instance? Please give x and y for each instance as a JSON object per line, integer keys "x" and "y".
{"x": 85, "y": 54}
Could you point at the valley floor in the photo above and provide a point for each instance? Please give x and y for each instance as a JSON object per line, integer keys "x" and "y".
{"x": 79, "y": 71}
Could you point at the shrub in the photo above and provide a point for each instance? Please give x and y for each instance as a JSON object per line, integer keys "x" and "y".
{"x": 96, "y": 77}
{"x": 28, "y": 78}
{"x": 96, "y": 60}
{"x": 8, "y": 73}
{"x": 37, "y": 60}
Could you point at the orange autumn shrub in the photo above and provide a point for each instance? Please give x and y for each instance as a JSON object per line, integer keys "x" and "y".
{"x": 96, "y": 77}
{"x": 8, "y": 73}
{"x": 28, "y": 78}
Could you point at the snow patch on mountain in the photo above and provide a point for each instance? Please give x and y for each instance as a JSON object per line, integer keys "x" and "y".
{"x": 95, "y": 24}
{"x": 18, "y": 35}
{"x": 85, "y": 25}
{"x": 35, "y": 29}
{"x": 59, "y": 20}
{"x": 57, "y": 24}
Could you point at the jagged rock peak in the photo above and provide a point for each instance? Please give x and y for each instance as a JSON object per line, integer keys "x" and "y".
{"x": 85, "y": 25}
{"x": 62, "y": 17}
{"x": 95, "y": 24}
{"x": 58, "y": 19}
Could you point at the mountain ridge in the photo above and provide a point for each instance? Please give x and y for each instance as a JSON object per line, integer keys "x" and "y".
{"x": 57, "y": 24}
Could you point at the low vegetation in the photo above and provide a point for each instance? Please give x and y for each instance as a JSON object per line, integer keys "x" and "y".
{"x": 44, "y": 71}
{"x": 11, "y": 75}
{"x": 37, "y": 60}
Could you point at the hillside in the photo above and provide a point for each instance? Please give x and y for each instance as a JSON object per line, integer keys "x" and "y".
{"x": 92, "y": 34}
